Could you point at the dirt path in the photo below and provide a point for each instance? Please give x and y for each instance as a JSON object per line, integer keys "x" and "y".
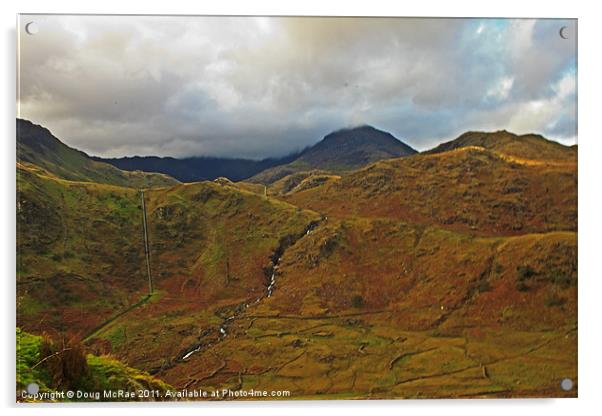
{"x": 109, "y": 321}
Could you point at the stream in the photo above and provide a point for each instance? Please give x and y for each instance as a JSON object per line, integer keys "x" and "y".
{"x": 272, "y": 271}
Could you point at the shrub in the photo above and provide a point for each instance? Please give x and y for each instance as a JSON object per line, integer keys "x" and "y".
{"x": 553, "y": 300}
{"x": 563, "y": 281}
{"x": 521, "y": 286}
{"x": 483, "y": 286}
{"x": 65, "y": 361}
{"x": 525, "y": 272}
{"x": 357, "y": 301}
{"x": 328, "y": 246}
{"x": 560, "y": 278}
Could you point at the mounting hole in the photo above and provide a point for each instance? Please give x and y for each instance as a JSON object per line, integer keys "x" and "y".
{"x": 33, "y": 388}
{"x": 32, "y": 28}
{"x": 566, "y": 384}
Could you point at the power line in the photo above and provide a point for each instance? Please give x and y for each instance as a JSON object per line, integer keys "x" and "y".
{"x": 146, "y": 246}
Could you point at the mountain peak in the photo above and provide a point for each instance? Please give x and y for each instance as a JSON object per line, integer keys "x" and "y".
{"x": 366, "y": 135}
{"x": 342, "y": 150}
{"x": 358, "y": 127}
{"x": 528, "y": 146}
{"x": 363, "y": 129}
{"x": 354, "y": 147}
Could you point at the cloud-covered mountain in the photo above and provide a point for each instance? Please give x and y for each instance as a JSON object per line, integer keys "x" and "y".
{"x": 342, "y": 150}
{"x": 193, "y": 169}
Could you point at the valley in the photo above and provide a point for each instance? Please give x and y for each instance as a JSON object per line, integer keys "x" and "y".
{"x": 447, "y": 273}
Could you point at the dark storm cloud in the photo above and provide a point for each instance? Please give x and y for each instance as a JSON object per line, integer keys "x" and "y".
{"x": 256, "y": 87}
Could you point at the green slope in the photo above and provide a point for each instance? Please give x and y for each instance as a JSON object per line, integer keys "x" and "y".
{"x": 99, "y": 373}
{"x": 81, "y": 259}
{"x": 36, "y": 145}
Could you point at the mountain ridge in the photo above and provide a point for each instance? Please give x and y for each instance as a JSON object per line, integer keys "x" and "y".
{"x": 198, "y": 168}
{"x": 38, "y": 146}
{"x": 342, "y": 150}
{"x": 338, "y": 150}
{"x": 527, "y": 146}
{"x": 467, "y": 188}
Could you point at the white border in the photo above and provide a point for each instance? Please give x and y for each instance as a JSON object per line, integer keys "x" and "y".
{"x": 590, "y": 212}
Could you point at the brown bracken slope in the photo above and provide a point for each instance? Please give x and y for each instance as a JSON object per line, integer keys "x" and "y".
{"x": 446, "y": 274}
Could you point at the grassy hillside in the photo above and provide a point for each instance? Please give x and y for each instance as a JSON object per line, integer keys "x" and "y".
{"x": 36, "y": 145}
{"x": 81, "y": 258}
{"x": 301, "y": 180}
{"x": 98, "y": 373}
{"x": 80, "y": 252}
{"x": 213, "y": 249}
{"x": 527, "y": 146}
{"x": 451, "y": 274}
{"x": 382, "y": 309}
{"x": 469, "y": 189}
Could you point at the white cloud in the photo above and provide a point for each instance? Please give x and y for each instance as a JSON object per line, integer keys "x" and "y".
{"x": 256, "y": 87}
{"x": 566, "y": 87}
{"x": 502, "y": 89}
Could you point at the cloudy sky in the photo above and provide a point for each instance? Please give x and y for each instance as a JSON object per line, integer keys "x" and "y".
{"x": 257, "y": 87}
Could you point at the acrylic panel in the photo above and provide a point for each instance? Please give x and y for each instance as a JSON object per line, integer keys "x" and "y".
{"x": 286, "y": 208}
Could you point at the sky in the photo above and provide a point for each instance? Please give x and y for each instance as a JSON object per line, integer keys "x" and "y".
{"x": 257, "y": 87}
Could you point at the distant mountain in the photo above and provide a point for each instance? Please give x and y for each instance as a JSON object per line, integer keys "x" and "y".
{"x": 194, "y": 169}
{"x": 36, "y": 145}
{"x": 527, "y": 146}
{"x": 355, "y": 147}
{"x": 342, "y": 150}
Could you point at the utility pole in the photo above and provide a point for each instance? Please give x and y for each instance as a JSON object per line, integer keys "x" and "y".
{"x": 146, "y": 246}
